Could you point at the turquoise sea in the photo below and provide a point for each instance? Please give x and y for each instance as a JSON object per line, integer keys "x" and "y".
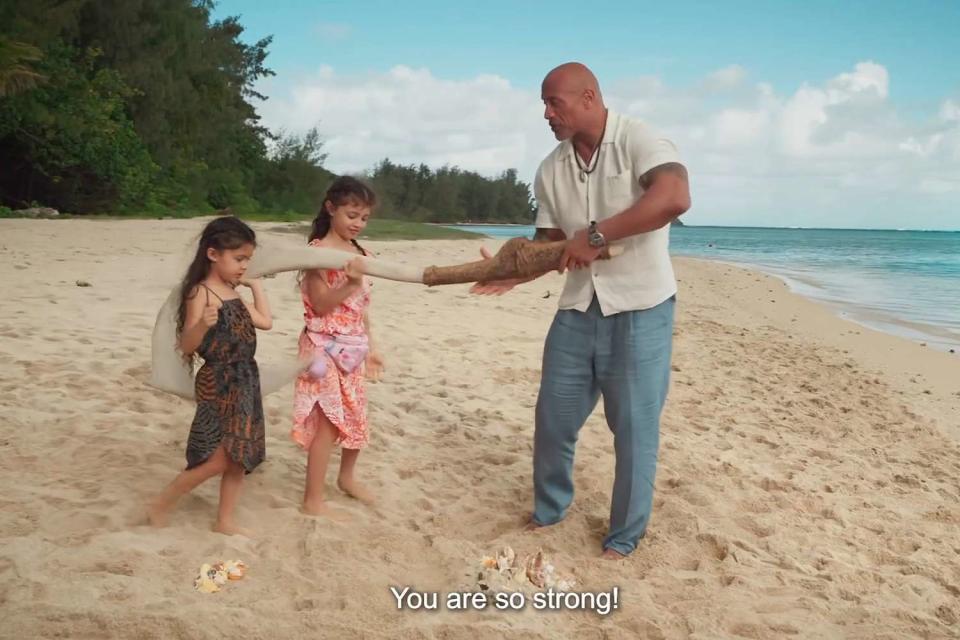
{"x": 902, "y": 282}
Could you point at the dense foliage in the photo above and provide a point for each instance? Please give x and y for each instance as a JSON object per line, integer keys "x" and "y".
{"x": 131, "y": 106}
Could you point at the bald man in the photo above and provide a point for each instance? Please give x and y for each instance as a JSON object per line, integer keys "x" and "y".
{"x": 611, "y": 179}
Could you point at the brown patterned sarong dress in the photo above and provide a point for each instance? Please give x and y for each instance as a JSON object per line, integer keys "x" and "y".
{"x": 227, "y": 389}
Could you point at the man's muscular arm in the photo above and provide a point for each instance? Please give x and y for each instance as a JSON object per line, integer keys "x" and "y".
{"x": 666, "y": 196}
{"x": 647, "y": 179}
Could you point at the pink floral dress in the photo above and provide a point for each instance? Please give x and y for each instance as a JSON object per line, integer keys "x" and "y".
{"x": 340, "y": 396}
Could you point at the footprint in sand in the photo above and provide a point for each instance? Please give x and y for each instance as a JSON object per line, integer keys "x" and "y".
{"x": 713, "y": 546}
{"x": 114, "y": 567}
{"x": 769, "y": 484}
{"x": 425, "y": 505}
{"x": 115, "y": 594}
{"x": 753, "y": 527}
{"x": 500, "y": 459}
{"x": 306, "y": 604}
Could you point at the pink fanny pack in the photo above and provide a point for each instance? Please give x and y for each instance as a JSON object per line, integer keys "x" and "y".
{"x": 348, "y": 352}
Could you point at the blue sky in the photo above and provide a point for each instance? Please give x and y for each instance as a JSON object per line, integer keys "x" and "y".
{"x": 855, "y": 103}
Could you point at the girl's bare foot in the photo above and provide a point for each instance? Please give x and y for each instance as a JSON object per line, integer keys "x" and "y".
{"x": 356, "y": 490}
{"x": 230, "y": 529}
{"x": 322, "y": 509}
{"x": 158, "y": 513}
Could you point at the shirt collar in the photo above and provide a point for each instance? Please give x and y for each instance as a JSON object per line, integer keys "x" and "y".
{"x": 613, "y": 120}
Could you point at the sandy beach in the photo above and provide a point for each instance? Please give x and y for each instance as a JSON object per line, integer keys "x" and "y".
{"x": 808, "y": 487}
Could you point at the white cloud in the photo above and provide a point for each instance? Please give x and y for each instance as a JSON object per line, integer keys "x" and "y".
{"x": 866, "y": 77}
{"x": 742, "y": 128}
{"x": 940, "y": 185}
{"x": 409, "y": 115}
{"x": 923, "y": 148}
{"x": 333, "y": 31}
{"x": 726, "y": 78}
{"x": 950, "y": 110}
{"x": 838, "y": 153}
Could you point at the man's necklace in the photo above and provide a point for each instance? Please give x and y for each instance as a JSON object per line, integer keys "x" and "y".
{"x": 594, "y": 155}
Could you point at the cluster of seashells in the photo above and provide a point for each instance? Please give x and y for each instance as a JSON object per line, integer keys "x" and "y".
{"x": 213, "y": 577}
{"x": 507, "y": 571}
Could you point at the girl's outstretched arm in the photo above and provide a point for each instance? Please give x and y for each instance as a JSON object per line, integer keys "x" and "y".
{"x": 260, "y": 309}
{"x": 325, "y": 299}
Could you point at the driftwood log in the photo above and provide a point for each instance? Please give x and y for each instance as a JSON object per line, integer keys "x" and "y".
{"x": 518, "y": 258}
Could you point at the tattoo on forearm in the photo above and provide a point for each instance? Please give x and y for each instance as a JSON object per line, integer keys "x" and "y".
{"x": 670, "y": 167}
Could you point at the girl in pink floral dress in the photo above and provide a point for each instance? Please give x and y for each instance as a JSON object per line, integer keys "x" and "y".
{"x": 330, "y": 402}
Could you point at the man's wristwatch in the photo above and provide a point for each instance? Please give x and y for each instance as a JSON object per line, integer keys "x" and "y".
{"x": 595, "y": 238}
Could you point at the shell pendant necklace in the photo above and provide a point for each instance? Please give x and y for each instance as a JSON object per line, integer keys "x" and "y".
{"x": 585, "y": 171}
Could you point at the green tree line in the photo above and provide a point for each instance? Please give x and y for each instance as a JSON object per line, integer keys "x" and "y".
{"x": 132, "y": 106}
{"x": 451, "y": 195}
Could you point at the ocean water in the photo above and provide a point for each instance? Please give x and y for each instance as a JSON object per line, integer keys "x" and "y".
{"x": 901, "y": 282}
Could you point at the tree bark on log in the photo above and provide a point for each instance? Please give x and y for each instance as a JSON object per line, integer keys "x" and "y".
{"x": 517, "y": 258}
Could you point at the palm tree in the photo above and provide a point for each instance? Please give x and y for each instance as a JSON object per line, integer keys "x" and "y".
{"x": 16, "y": 76}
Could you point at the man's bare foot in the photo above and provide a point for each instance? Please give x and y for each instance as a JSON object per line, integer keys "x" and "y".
{"x": 230, "y": 529}
{"x": 158, "y": 513}
{"x": 533, "y": 525}
{"x": 612, "y": 554}
{"x": 322, "y": 509}
{"x": 356, "y": 490}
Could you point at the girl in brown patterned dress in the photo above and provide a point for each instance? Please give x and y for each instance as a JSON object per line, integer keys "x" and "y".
{"x": 214, "y": 322}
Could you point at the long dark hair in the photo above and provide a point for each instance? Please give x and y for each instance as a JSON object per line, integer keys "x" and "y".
{"x": 222, "y": 233}
{"x": 344, "y": 190}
